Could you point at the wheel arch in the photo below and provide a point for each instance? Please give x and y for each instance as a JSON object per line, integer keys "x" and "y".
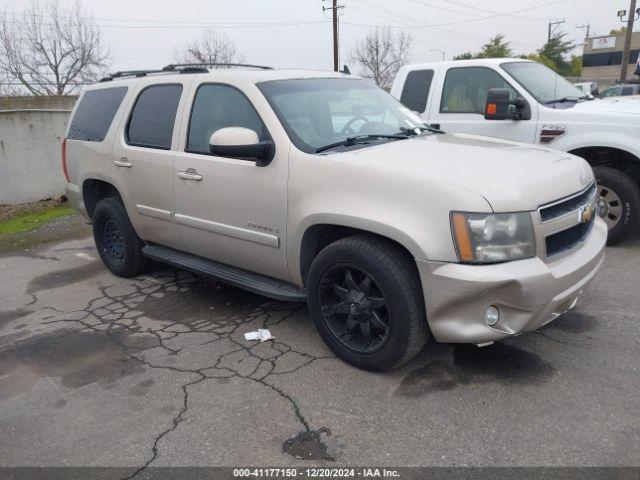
{"x": 94, "y": 190}
{"x": 319, "y": 235}
{"x": 609, "y": 156}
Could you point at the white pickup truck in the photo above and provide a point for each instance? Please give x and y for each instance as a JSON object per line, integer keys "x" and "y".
{"x": 527, "y": 102}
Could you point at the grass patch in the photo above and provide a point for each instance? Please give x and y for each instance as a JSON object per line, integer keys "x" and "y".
{"x": 32, "y": 220}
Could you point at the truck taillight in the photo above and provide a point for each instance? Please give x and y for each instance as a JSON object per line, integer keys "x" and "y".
{"x": 64, "y": 160}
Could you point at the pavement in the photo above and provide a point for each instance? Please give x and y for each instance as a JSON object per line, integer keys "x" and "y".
{"x": 97, "y": 370}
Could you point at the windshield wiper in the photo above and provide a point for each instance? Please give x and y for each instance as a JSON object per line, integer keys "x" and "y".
{"x": 567, "y": 99}
{"x": 424, "y": 128}
{"x": 360, "y": 139}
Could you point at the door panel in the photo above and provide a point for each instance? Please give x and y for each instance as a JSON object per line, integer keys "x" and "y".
{"x": 143, "y": 161}
{"x": 232, "y": 211}
{"x": 461, "y": 107}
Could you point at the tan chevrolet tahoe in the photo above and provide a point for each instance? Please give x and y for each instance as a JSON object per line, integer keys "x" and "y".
{"x": 321, "y": 187}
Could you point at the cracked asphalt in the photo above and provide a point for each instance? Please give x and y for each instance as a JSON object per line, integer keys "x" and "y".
{"x": 97, "y": 370}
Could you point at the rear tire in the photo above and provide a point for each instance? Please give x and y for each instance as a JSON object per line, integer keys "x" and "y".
{"x": 119, "y": 246}
{"x": 343, "y": 304}
{"x": 618, "y": 202}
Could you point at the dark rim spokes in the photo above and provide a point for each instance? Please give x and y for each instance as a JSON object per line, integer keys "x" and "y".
{"x": 354, "y": 308}
{"x": 113, "y": 240}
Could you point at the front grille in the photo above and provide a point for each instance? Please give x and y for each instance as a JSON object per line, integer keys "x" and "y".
{"x": 566, "y": 206}
{"x": 569, "y": 238}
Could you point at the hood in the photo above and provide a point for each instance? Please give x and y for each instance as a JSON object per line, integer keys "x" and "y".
{"x": 625, "y": 105}
{"x": 510, "y": 176}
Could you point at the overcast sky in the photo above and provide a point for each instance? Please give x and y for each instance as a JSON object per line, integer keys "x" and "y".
{"x": 143, "y": 33}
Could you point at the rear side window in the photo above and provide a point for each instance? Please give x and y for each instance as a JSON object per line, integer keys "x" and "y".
{"x": 416, "y": 90}
{"x": 627, "y": 90}
{"x": 153, "y": 117}
{"x": 219, "y": 106}
{"x": 95, "y": 113}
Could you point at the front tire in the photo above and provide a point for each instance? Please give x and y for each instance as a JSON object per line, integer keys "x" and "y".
{"x": 366, "y": 301}
{"x": 618, "y": 202}
{"x": 119, "y": 246}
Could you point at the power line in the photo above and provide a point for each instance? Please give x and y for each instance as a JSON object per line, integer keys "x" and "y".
{"x": 431, "y": 25}
{"x": 552, "y": 28}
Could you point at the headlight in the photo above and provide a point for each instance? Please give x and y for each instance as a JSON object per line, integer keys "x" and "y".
{"x": 492, "y": 238}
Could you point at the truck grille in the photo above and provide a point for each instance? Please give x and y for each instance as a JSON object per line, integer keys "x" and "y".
{"x": 571, "y": 204}
{"x": 569, "y": 238}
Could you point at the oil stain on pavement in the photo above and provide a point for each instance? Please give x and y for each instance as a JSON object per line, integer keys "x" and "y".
{"x": 500, "y": 363}
{"x": 308, "y": 445}
{"x": 67, "y": 276}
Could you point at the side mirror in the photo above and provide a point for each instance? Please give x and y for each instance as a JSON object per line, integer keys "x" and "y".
{"x": 498, "y": 106}
{"x": 242, "y": 143}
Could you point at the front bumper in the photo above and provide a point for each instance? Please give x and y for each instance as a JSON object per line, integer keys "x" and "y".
{"x": 528, "y": 293}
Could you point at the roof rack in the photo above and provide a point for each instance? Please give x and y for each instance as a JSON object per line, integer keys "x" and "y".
{"x": 204, "y": 65}
{"x": 180, "y": 68}
{"x": 129, "y": 73}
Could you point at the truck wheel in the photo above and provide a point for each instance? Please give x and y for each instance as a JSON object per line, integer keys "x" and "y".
{"x": 618, "y": 202}
{"x": 118, "y": 244}
{"x": 366, "y": 301}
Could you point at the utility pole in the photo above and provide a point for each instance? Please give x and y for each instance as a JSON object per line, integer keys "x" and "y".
{"x": 334, "y": 10}
{"x": 588, "y": 27}
{"x": 440, "y": 51}
{"x": 627, "y": 42}
{"x": 551, "y": 25}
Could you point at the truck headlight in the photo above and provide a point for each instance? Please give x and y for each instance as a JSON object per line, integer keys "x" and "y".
{"x": 494, "y": 237}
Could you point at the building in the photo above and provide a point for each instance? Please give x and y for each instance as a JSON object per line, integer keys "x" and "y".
{"x": 602, "y": 57}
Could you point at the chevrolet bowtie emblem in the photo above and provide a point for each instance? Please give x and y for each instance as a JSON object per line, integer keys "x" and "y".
{"x": 586, "y": 213}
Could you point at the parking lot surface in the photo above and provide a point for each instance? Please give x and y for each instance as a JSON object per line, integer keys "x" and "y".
{"x": 97, "y": 370}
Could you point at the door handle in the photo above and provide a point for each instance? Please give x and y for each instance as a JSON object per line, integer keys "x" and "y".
{"x": 190, "y": 174}
{"x": 123, "y": 162}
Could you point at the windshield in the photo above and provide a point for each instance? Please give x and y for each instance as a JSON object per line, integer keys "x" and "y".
{"x": 542, "y": 82}
{"x": 322, "y": 111}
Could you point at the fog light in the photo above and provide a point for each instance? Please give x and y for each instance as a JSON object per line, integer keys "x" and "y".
{"x": 491, "y": 316}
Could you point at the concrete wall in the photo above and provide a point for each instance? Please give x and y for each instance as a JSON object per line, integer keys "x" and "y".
{"x": 31, "y": 131}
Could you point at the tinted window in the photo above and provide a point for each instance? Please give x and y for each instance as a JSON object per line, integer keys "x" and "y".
{"x": 465, "y": 89}
{"x": 153, "y": 116}
{"x": 611, "y": 92}
{"x": 416, "y": 90}
{"x": 95, "y": 113}
{"x": 627, "y": 90}
{"x": 220, "y": 106}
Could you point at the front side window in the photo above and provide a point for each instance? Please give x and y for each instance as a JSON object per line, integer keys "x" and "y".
{"x": 466, "y": 88}
{"x": 611, "y": 92}
{"x": 95, "y": 113}
{"x": 541, "y": 82}
{"x": 416, "y": 90}
{"x": 153, "y": 117}
{"x": 219, "y": 106}
{"x": 317, "y": 112}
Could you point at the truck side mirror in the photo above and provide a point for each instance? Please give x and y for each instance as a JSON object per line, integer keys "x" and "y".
{"x": 242, "y": 143}
{"x": 498, "y": 106}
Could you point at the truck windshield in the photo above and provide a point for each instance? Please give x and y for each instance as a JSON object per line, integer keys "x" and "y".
{"x": 542, "y": 82}
{"x": 322, "y": 113}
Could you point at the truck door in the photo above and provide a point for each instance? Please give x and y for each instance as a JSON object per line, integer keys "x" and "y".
{"x": 460, "y": 108}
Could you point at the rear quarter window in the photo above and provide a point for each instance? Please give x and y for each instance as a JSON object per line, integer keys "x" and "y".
{"x": 95, "y": 113}
{"x": 416, "y": 90}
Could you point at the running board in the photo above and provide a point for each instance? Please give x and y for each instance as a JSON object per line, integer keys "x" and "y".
{"x": 253, "y": 282}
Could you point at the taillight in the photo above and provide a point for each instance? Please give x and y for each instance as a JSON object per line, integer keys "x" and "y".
{"x": 64, "y": 160}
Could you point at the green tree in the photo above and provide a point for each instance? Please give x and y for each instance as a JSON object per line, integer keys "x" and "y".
{"x": 576, "y": 66}
{"x": 541, "y": 59}
{"x": 496, "y": 47}
{"x": 464, "y": 56}
{"x": 556, "y": 50}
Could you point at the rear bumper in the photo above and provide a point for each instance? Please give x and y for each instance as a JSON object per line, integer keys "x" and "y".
{"x": 528, "y": 293}
{"x": 74, "y": 197}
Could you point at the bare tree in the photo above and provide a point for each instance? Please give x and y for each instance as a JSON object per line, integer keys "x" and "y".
{"x": 51, "y": 50}
{"x": 381, "y": 54}
{"x": 210, "y": 47}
